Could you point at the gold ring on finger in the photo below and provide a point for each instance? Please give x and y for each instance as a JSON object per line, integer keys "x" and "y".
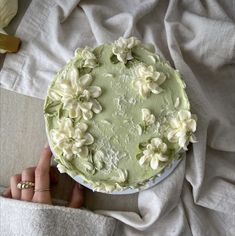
{"x": 25, "y": 185}
{"x": 42, "y": 190}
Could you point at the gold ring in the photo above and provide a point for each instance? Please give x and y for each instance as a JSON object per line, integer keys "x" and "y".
{"x": 25, "y": 185}
{"x": 41, "y": 190}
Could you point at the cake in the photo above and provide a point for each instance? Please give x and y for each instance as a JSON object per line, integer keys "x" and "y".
{"x": 117, "y": 115}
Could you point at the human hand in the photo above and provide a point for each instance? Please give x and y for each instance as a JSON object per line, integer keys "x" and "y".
{"x": 42, "y": 176}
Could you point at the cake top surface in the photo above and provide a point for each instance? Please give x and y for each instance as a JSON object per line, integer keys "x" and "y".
{"x": 117, "y": 115}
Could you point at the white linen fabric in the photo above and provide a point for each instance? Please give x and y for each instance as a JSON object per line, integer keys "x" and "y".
{"x": 26, "y": 218}
{"x": 198, "y": 38}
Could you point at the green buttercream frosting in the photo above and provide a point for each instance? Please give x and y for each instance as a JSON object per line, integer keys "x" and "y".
{"x": 117, "y": 115}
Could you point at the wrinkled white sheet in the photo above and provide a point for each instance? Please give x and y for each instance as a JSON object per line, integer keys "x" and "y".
{"x": 198, "y": 38}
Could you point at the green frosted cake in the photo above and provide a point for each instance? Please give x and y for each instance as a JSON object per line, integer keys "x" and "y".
{"x": 117, "y": 115}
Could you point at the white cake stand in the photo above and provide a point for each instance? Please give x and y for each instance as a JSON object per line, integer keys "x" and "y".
{"x": 148, "y": 185}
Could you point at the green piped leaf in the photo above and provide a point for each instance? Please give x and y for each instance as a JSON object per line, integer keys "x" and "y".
{"x": 139, "y": 155}
{"x": 143, "y": 145}
{"x": 114, "y": 59}
{"x": 53, "y": 107}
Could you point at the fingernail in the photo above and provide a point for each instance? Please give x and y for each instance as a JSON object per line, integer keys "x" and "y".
{"x": 46, "y": 145}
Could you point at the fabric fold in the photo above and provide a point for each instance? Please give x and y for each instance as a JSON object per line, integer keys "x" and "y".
{"x": 26, "y": 218}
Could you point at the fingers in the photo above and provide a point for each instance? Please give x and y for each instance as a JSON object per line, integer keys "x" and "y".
{"x": 15, "y": 192}
{"x": 7, "y": 193}
{"x": 42, "y": 178}
{"x": 77, "y": 197}
{"x": 27, "y": 175}
{"x": 54, "y": 175}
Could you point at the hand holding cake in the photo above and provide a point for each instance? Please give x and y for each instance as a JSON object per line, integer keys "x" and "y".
{"x": 34, "y": 183}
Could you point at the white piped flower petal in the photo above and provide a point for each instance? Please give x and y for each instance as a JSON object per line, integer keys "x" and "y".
{"x": 193, "y": 139}
{"x": 95, "y": 91}
{"x": 184, "y": 115}
{"x": 68, "y": 154}
{"x": 144, "y": 91}
{"x": 85, "y": 106}
{"x": 80, "y": 142}
{"x": 86, "y": 80}
{"x": 174, "y": 123}
{"x": 156, "y": 142}
{"x": 82, "y": 127}
{"x": 87, "y": 115}
{"x": 154, "y": 163}
{"x": 163, "y": 158}
{"x": 163, "y": 147}
{"x": 68, "y": 102}
{"x": 191, "y": 125}
{"x": 65, "y": 124}
{"x": 72, "y": 73}
{"x": 89, "y": 139}
{"x": 83, "y": 151}
{"x": 88, "y": 57}
{"x": 182, "y": 141}
{"x": 145, "y": 112}
{"x": 154, "y": 88}
{"x": 75, "y": 112}
{"x": 72, "y": 76}
{"x": 149, "y": 147}
{"x": 142, "y": 160}
{"x": 155, "y": 75}
{"x": 96, "y": 107}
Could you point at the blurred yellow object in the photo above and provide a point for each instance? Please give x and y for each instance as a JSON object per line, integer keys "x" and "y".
{"x": 8, "y": 9}
{"x": 9, "y": 43}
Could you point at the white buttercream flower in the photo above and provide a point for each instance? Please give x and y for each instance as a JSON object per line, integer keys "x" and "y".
{"x": 148, "y": 80}
{"x": 76, "y": 94}
{"x": 88, "y": 57}
{"x": 71, "y": 141}
{"x": 154, "y": 152}
{"x": 182, "y": 128}
{"x": 122, "y": 48}
{"x": 147, "y": 117}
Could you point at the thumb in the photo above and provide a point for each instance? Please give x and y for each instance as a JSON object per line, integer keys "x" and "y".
{"x": 77, "y": 198}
